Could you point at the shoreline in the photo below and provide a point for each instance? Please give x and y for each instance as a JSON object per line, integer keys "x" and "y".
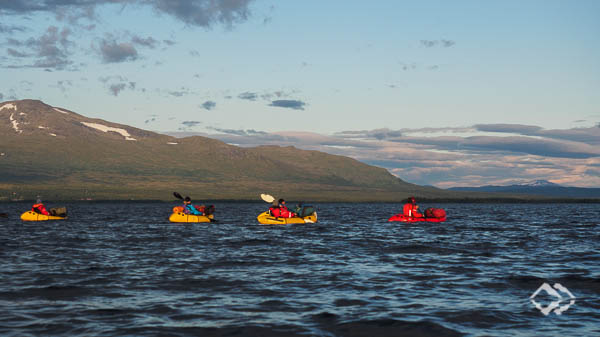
{"x": 420, "y": 201}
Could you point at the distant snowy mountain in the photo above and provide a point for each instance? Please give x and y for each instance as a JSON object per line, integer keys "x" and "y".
{"x": 536, "y": 187}
{"x": 538, "y": 183}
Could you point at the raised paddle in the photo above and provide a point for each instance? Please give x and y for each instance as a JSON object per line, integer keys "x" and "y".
{"x": 267, "y": 198}
{"x": 178, "y": 196}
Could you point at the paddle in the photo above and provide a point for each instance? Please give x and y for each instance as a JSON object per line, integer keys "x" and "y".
{"x": 178, "y": 196}
{"x": 267, "y": 198}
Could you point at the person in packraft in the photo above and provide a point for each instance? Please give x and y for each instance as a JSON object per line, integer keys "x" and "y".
{"x": 188, "y": 208}
{"x": 411, "y": 209}
{"x": 39, "y": 208}
{"x": 280, "y": 210}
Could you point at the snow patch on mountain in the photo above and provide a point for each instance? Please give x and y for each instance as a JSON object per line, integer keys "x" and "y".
{"x": 538, "y": 183}
{"x": 61, "y": 111}
{"x": 14, "y": 122}
{"x": 171, "y": 143}
{"x": 9, "y": 106}
{"x": 42, "y": 127}
{"x": 52, "y": 134}
{"x": 105, "y": 128}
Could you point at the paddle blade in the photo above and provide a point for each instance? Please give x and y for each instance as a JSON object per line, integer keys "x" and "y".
{"x": 267, "y": 198}
{"x": 177, "y": 195}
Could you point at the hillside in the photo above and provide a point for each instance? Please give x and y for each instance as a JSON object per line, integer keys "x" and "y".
{"x": 59, "y": 154}
{"x": 538, "y": 187}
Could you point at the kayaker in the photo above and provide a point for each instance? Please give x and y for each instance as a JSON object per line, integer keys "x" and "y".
{"x": 188, "y": 208}
{"x": 411, "y": 209}
{"x": 281, "y": 211}
{"x": 39, "y": 207}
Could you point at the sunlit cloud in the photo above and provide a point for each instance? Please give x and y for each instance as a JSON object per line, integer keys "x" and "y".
{"x": 448, "y": 161}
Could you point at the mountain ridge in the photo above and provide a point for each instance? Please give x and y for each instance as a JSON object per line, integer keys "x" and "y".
{"x": 57, "y": 153}
{"x": 53, "y": 151}
{"x": 536, "y": 187}
{"x": 539, "y": 183}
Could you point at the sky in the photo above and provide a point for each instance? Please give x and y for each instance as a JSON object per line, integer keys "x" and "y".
{"x": 442, "y": 93}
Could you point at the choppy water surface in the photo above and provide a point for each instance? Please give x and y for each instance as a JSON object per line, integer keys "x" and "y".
{"x": 122, "y": 269}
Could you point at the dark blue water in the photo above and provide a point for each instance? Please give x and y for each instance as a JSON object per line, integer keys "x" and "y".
{"x": 122, "y": 269}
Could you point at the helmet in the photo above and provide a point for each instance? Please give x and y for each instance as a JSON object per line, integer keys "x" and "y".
{"x": 412, "y": 200}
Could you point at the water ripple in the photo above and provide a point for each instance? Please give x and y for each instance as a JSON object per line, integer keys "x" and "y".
{"x": 122, "y": 269}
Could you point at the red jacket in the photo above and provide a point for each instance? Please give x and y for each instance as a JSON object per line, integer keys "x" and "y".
{"x": 39, "y": 208}
{"x": 281, "y": 212}
{"x": 410, "y": 210}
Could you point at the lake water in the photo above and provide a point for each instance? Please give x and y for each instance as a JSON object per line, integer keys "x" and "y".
{"x": 122, "y": 269}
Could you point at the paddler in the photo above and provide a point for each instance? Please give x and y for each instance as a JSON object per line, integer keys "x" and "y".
{"x": 188, "y": 208}
{"x": 39, "y": 207}
{"x": 280, "y": 210}
{"x": 411, "y": 209}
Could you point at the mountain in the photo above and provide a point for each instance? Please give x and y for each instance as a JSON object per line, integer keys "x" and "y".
{"x": 538, "y": 183}
{"x": 59, "y": 154}
{"x": 537, "y": 187}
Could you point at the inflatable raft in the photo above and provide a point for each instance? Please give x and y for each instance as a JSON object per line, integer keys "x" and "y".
{"x": 404, "y": 218}
{"x": 33, "y": 216}
{"x": 266, "y": 218}
{"x": 431, "y": 215}
{"x": 182, "y": 217}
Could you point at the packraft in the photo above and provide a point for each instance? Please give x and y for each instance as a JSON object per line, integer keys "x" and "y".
{"x": 430, "y": 215}
{"x": 33, "y": 216}
{"x": 304, "y": 214}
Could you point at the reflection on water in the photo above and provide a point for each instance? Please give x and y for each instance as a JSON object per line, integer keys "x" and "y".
{"x": 122, "y": 269}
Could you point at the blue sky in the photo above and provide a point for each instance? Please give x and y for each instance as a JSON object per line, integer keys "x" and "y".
{"x": 337, "y": 69}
